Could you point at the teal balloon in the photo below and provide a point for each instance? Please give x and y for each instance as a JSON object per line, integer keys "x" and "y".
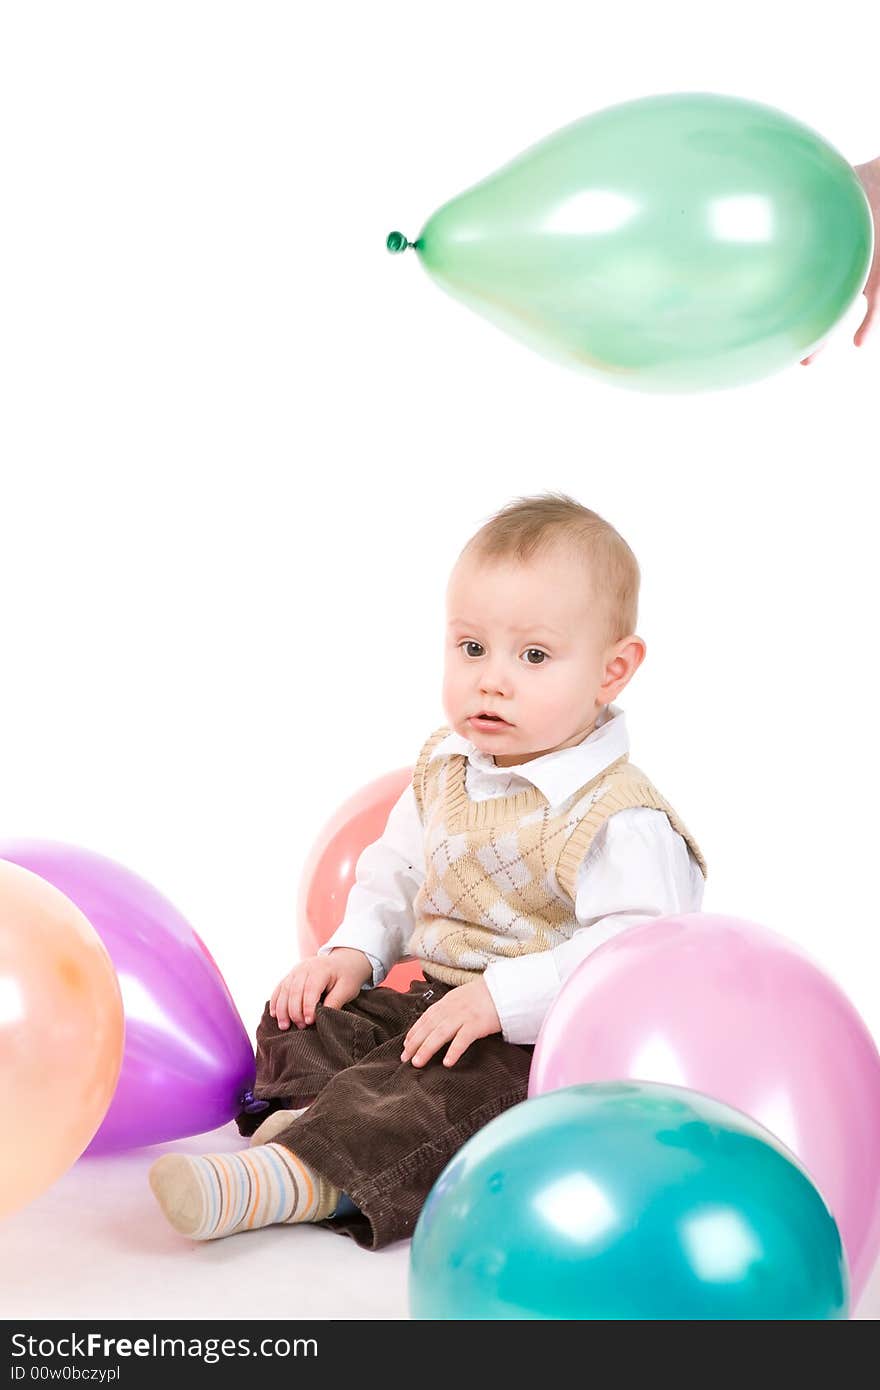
{"x": 626, "y": 1201}
{"x": 682, "y": 242}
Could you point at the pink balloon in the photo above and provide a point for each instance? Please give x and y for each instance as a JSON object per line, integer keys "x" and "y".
{"x": 737, "y": 1012}
{"x": 329, "y": 870}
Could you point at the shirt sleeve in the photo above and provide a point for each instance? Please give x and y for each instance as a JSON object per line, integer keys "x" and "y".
{"x": 637, "y": 868}
{"x": 379, "y": 913}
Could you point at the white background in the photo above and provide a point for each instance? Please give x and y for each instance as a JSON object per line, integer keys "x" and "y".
{"x": 241, "y": 447}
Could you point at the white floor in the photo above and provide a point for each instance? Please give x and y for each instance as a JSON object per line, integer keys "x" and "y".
{"x": 96, "y": 1246}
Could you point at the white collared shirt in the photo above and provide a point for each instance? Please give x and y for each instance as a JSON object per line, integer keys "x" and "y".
{"x": 637, "y": 867}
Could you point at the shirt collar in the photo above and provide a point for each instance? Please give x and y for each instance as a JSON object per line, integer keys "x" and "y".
{"x": 556, "y": 775}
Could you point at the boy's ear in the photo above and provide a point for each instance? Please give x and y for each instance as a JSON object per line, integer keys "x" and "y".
{"x": 624, "y": 659}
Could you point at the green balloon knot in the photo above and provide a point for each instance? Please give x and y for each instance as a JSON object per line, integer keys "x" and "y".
{"x": 396, "y": 242}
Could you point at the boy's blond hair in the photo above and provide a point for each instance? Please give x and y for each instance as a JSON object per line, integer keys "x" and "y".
{"x": 529, "y": 526}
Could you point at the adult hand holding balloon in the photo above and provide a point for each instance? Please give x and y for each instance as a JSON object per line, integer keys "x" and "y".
{"x": 681, "y": 242}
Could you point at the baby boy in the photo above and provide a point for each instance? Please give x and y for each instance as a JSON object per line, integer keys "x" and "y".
{"x": 525, "y": 840}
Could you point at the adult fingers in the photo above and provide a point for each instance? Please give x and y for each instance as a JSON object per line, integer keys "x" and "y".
{"x": 805, "y": 361}
{"x": 864, "y": 327}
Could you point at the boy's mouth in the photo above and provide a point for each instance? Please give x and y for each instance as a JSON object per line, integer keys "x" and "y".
{"x": 485, "y": 719}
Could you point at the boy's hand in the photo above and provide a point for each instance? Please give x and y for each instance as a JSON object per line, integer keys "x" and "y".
{"x": 464, "y": 1014}
{"x": 342, "y": 972}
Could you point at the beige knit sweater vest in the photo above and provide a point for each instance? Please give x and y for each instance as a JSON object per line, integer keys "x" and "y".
{"x": 501, "y": 874}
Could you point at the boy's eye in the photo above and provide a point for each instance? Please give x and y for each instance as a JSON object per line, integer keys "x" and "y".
{"x": 473, "y": 648}
{"x": 534, "y": 655}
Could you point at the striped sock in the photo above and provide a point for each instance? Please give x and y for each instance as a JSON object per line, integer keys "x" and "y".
{"x": 214, "y": 1195}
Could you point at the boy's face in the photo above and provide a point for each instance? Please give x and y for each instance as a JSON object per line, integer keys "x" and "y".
{"x": 527, "y": 642}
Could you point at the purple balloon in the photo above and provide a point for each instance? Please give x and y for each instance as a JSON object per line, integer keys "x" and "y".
{"x": 188, "y": 1064}
{"x": 741, "y": 1014}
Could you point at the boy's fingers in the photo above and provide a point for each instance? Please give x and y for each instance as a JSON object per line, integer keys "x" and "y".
{"x": 460, "y": 1043}
{"x": 421, "y": 1029}
{"x": 435, "y": 1040}
{"x": 281, "y": 1017}
{"x": 315, "y": 985}
{"x": 295, "y": 1002}
{"x": 416, "y": 1034}
{"x": 338, "y": 996}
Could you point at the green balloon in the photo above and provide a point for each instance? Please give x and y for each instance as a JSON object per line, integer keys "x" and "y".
{"x": 683, "y": 242}
{"x": 626, "y": 1200}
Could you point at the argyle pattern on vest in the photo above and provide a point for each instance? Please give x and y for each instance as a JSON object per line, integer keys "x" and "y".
{"x": 501, "y": 873}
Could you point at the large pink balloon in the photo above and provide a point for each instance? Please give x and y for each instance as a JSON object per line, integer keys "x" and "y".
{"x": 739, "y": 1013}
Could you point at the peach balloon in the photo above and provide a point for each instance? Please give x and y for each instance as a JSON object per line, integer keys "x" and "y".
{"x": 329, "y": 871}
{"x": 62, "y": 1033}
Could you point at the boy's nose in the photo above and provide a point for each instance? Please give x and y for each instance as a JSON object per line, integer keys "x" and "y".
{"x": 494, "y": 683}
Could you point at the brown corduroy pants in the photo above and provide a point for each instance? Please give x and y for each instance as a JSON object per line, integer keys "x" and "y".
{"x": 379, "y": 1129}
